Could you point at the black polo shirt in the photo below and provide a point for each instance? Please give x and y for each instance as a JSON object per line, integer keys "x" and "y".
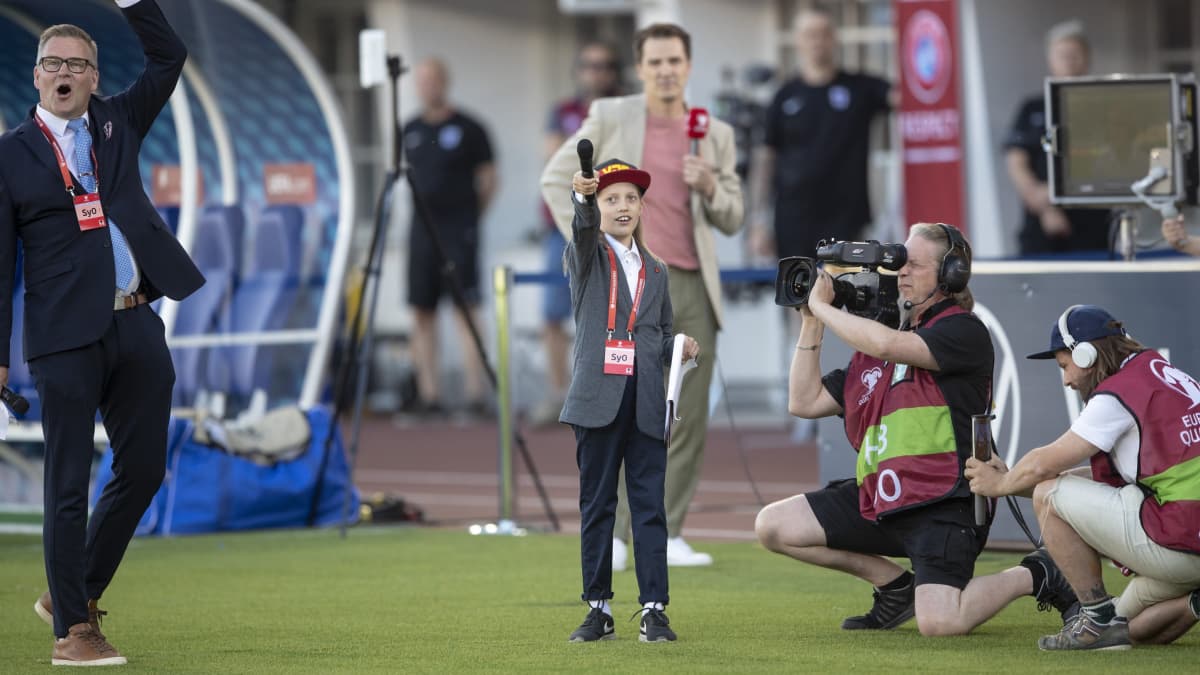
{"x": 821, "y": 138}
{"x": 443, "y": 159}
{"x": 1089, "y": 227}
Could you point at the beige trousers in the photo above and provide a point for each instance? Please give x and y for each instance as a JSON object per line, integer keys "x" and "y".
{"x": 1109, "y": 520}
{"x": 693, "y": 316}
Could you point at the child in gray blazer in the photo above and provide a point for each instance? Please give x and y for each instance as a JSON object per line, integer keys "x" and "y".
{"x": 616, "y": 402}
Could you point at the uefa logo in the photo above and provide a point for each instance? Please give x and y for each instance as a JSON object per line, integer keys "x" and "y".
{"x": 926, "y": 57}
{"x": 1177, "y": 380}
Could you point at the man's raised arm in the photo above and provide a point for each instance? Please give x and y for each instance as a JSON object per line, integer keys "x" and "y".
{"x": 165, "y": 56}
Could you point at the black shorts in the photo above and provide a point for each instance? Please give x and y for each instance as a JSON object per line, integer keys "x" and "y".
{"x": 940, "y": 540}
{"x": 426, "y": 281}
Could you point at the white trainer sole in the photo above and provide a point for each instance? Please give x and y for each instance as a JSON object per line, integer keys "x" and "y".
{"x": 42, "y": 613}
{"x": 111, "y": 661}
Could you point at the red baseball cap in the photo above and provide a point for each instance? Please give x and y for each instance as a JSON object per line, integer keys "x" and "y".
{"x": 620, "y": 171}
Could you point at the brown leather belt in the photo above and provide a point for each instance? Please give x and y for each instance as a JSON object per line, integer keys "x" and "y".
{"x": 129, "y": 301}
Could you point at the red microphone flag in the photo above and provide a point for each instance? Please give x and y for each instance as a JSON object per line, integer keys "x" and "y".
{"x": 697, "y": 127}
{"x": 697, "y": 123}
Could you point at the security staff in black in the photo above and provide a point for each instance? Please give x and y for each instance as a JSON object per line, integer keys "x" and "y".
{"x": 453, "y": 180}
{"x": 1088, "y": 229}
{"x": 1046, "y": 228}
{"x": 907, "y": 397}
{"x": 816, "y": 141}
{"x": 444, "y": 157}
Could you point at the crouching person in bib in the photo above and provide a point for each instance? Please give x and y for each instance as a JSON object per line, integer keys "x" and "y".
{"x": 617, "y": 399}
{"x": 1140, "y": 506}
{"x": 907, "y": 397}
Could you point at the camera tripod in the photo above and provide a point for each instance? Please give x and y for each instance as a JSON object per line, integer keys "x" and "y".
{"x": 351, "y": 381}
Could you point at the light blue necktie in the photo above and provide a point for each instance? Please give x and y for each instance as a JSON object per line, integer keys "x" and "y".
{"x": 87, "y": 178}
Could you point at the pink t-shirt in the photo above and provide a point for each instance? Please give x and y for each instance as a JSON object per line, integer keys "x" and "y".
{"x": 667, "y": 215}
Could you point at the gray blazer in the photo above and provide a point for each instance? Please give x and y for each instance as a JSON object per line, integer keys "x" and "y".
{"x": 593, "y": 397}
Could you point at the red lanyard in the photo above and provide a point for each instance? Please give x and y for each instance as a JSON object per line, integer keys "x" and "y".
{"x": 62, "y": 161}
{"x": 612, "y": 295}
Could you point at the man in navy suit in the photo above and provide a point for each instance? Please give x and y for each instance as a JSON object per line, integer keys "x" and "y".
{"x": 96, "y": 253}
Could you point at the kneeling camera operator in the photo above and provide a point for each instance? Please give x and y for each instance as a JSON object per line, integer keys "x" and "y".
{"x": 922, "y": 367}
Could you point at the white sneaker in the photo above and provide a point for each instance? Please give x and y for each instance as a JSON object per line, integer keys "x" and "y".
{"x": 620, "y": 555}
{"x": 679, "y": 554}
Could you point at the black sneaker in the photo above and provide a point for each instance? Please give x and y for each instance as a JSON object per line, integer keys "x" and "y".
{"x": 1194, "y": 604}
{"x": 1055, "y": 591}
{"x": 597, "y": 626}
{"x": 656, "y": 627}
{"x": 891, "y": 608}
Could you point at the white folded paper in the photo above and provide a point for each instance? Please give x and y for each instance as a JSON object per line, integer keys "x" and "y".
{"x": 674, "y": 381}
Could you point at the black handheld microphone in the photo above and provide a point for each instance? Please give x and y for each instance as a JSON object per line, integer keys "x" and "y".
{"x": 13, "y": 400}
{"x": 584, "y": 150}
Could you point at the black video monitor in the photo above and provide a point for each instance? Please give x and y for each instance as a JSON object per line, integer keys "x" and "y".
{"x": 1107, "y": 133}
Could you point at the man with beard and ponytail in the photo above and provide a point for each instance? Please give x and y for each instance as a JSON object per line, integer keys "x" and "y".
{"x": 1141, "y": 506}
{"x": 907, "y": 397}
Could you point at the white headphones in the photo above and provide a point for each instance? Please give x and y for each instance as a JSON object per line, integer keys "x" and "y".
{"x": 1083, "y": 354}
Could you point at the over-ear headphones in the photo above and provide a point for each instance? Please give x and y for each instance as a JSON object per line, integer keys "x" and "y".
{"x": 955, "y": 270}
{"x": 1083, "y": 354}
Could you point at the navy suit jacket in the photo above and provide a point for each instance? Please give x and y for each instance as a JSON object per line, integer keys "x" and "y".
{"x": 70, "y": 278}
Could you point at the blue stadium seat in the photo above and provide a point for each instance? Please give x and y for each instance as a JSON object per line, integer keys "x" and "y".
{"x": 216, "y": 252}
{"x": 264, "y": 298}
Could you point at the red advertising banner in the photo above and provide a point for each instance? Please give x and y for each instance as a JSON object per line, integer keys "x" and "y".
{"x": 294, "y": 183}
{"x": 166, "y": 182}
{"x": 930, "y": 128}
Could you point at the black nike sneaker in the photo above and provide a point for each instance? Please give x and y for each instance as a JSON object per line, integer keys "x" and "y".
{"x": 891, "y": 608}
{"x": 597, "y": 626}
{"x": 1055, "y": 591}
{"x": 656, "y": 627}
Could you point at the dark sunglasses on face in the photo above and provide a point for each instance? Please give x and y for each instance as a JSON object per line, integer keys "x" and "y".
{"x": 598, "y": 65}
{"x": 53, "y": 64}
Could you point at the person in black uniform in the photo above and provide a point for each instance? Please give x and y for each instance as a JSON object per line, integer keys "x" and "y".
{"x": 1046, "y": 228}
{"x": 450, "y": 158}
{"x": 814, "y": 160}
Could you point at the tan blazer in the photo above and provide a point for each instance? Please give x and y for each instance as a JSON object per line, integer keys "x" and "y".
{"x": 617, "y": 129}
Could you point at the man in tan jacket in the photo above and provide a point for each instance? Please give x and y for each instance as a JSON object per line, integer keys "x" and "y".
{"x": 693, "y": 193}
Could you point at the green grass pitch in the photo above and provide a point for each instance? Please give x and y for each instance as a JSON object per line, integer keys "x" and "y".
{"x": 411, "y": 600}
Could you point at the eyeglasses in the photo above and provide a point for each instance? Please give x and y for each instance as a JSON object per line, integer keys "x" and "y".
{"x": 53, "y": 64}
{"x": 598, "y": 65}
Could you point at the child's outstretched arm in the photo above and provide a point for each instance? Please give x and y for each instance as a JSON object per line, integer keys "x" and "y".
{"x": 585, "y": 226}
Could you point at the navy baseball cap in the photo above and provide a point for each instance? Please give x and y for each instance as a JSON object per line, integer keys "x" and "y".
{"x": 1084, "y": 323}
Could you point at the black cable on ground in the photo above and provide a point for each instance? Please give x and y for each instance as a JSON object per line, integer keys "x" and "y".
{"x": 737, "y": 437}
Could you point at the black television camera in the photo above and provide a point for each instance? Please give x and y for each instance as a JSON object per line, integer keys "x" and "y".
{"x": 865, "y": 293}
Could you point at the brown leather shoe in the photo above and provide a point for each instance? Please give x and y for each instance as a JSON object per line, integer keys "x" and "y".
{"x": 45, "y": 609}
{"x": 85, "y": 646}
